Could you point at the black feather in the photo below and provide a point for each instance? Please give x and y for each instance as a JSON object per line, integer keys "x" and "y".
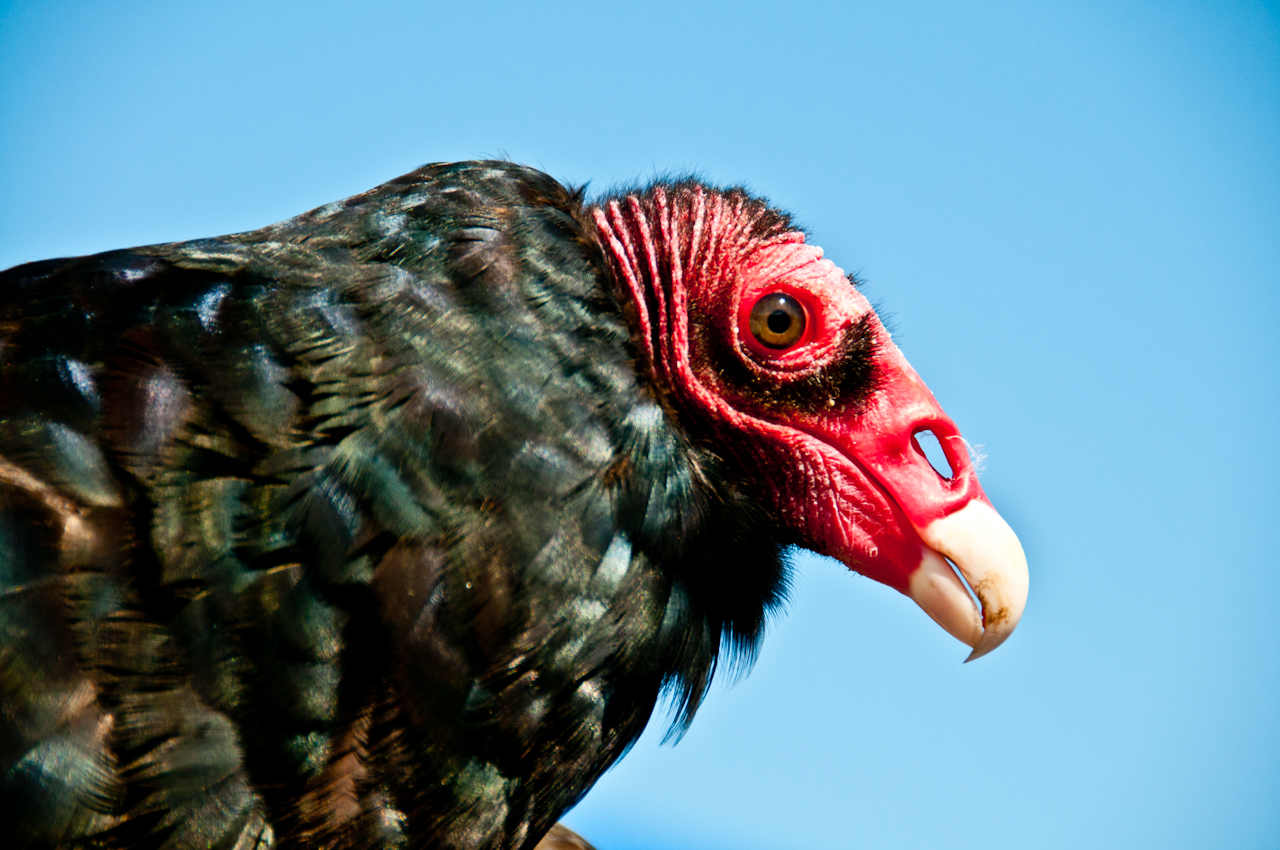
{"x": 359, "y": 530}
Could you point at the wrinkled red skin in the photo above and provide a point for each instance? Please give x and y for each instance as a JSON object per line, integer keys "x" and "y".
{"x": 850, "y": 483}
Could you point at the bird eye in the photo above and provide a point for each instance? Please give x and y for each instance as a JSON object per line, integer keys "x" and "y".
{"x": 777, "y": 320}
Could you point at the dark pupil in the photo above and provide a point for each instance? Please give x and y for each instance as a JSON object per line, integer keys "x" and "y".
{"x": 778, "y": 321}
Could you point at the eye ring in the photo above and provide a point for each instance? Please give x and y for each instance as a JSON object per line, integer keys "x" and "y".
{"x": 777, "y": 321}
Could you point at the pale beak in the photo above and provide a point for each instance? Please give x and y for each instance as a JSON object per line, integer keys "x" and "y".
{"x": 987, "y": 552}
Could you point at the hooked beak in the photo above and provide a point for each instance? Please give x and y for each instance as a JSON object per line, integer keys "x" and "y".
{"x": 987, "y": 552}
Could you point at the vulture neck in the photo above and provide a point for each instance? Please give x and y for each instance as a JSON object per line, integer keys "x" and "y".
{"x": 677, "y": 249}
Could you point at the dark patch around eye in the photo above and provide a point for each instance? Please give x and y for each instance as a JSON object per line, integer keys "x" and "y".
{"x": 845, "y": 383}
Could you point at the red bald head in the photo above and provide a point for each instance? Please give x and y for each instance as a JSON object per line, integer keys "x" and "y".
{"x": 764, "y": 343}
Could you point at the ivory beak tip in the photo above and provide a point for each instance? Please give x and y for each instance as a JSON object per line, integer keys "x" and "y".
{"x": 987, "y": 553}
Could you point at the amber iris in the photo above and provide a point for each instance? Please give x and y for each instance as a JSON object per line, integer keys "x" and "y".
{"x": 777, "y": 320}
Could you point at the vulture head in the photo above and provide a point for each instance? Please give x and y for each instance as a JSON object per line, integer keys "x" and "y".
{"x": 769, "y": 350}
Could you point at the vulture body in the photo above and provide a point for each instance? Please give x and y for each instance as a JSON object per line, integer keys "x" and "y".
{"x": 387, "y": 526}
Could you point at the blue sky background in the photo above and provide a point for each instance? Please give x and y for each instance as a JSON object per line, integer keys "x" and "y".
{"x": 1071, "y": 211}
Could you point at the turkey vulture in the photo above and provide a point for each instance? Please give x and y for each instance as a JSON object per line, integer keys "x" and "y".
{"x": 387, "y": 526}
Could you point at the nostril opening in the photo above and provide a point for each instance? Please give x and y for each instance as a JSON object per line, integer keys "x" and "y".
{"x": 927, "y": 442}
